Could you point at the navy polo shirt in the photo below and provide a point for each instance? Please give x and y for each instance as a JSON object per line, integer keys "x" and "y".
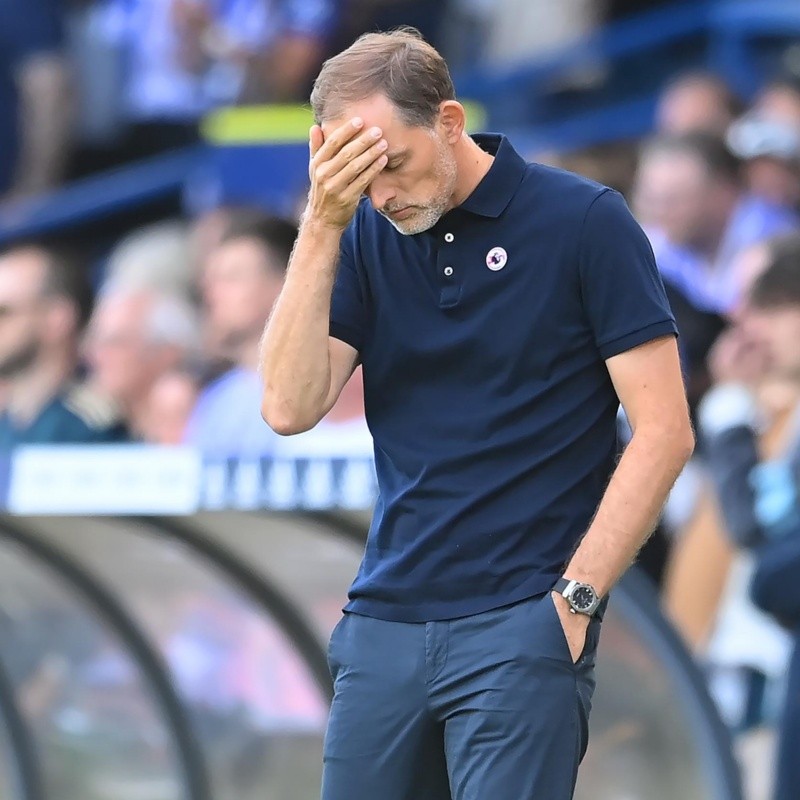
{"x": 483, "y": 343}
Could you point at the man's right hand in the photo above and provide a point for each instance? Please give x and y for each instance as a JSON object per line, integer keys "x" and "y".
{"x": 341, "y": 168}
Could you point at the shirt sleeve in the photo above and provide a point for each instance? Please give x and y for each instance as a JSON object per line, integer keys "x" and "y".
{"x": 348, "y": 314}
{"x": 623, "y": 293}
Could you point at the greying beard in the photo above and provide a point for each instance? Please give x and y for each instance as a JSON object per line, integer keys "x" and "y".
{"x": 425, "y": 217}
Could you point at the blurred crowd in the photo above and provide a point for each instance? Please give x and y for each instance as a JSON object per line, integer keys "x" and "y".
{"x": 717, "y": 189}
{"x": 90, "y": 84}
{"x": 159, "y": 342}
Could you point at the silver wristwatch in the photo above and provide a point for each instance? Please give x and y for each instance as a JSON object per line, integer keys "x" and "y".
{"x": 582, "y": 597}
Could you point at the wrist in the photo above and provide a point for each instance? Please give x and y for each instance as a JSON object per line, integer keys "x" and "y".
{"x": 580, "y": 596}
{"x": 563, "y": 605}
{"x": 318, "y": 226}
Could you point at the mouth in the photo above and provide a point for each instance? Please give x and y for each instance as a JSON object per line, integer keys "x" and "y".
{"x": 401, "y": 213}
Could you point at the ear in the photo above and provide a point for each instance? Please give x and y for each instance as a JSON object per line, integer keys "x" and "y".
{"x": 453, "y": 120}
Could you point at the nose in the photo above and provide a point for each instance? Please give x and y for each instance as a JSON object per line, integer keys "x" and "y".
{"x": 380, "y": 192}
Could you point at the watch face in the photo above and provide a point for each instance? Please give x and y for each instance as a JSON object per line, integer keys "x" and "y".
{"x": 582, "y": 598}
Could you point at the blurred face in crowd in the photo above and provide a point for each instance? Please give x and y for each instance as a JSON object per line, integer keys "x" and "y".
{"x": 241, "y": 283}
{"x": 695, "y": 104}
{"x": 774, "y": 179}
{"x": 169, "y": 406}
{"x": 417, "y": 185}
{"x": 777, "y": 329}
{"x": 30, "y": 322}
{"x": 779, "y": 103}
{"x": 675, "y": 192}
{"x": 125, "y": 362}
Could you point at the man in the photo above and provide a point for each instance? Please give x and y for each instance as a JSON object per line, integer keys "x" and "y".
{"x": 136, "y": 336}
{"x": 695, "y": 102}
{"x": 691, "y": 200}
{"x": 501, "y": 311}
{"x": 44, "y": 304}
{"x": 242, "y": 279}
{"x": 758, "y": 480}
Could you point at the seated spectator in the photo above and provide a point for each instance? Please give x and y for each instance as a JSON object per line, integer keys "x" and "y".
{"x": 44, "y": 304}
{"x": 169, "y": 407}
{"x": 135, "y": 337}
{"x": 750, "y": 424}
{"x": 207, "y": 230}
{"x": 696, "y": 102}
{"x": 186, "y": 57}
{"x": 242, "y": 280}
{"x": 206, "y": 234}
{"x": 691, "y": 201}
{"x": 35, "y": 101}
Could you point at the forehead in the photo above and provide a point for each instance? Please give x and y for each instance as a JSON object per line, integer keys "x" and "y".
{"x": 237, "y": 256}
{"x": 21, "y": 273}
{"x": 120, "y": 311}
{"x": 699, "y": 89}
{"x": 378, "y": 111}
{"x": 675, "y": 166}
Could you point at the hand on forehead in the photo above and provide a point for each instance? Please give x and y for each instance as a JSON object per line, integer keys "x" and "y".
{"x": 376, "y": 111}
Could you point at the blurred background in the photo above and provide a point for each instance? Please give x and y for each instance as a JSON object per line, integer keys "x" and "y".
{"x": 170, "y": 570}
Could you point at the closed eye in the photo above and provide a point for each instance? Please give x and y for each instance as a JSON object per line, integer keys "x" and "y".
{"x": 396, "y": 159}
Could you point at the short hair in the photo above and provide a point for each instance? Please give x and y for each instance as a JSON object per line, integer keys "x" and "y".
{"x": 779, "y": 284}
{"x": 65, "y": 276}
{"x": 692, "y": 77}
{"x": 154, "y": 256}
{"x": 398, "y": 64}
{"x": 708, "y": 149}
{"x": 275, "y": 234}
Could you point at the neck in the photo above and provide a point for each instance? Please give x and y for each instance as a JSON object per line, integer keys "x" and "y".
{"x": 710, "y": 245}
{"x": 472, "y": 164}
{"x": 31, "y": 390}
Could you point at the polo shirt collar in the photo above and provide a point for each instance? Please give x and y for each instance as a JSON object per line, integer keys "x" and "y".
{"x": 496, "y": 189}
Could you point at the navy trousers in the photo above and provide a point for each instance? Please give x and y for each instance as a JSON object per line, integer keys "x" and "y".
{"x": 487, "y": 707}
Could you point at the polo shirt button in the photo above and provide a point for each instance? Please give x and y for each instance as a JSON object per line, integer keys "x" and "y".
{"x": 448, "y": 237}
{"x": 448, "y": 271}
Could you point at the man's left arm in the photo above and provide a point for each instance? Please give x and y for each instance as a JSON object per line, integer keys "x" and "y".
{"x": 634, "y": 331}
{"x": 650, "y": 387}
{"x": 649, "y": 384}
